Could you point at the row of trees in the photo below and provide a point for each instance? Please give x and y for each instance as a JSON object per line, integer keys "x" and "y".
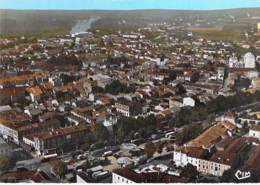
{"x": 6, "y": 163}
{"x": 187, "y": 116}
{"x": 150, "y": 148}
{"x": 117, "y": 87}
{"x": 126, "y": 128}
{"x": 116, "y": 60}
{"x": 60, "y": 168}
{"x": 65, "y": 60}
{"x": 114, "y": 88}
{"x": 189, "y": 132}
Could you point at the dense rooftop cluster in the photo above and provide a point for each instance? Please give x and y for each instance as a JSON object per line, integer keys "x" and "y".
{"x": 184, "y": 103}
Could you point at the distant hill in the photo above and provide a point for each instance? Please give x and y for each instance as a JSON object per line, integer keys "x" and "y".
{"x": 20, "y": 21}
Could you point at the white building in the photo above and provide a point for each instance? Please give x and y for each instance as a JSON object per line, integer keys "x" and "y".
{"x": 9, "y": 133}
{"x": 249, "y": 60}
{"x": 195, "y": 157}
{"x": 255, "y": 131}
{"x": 234, "y": 63}
{"x": 116, "y": 178}
{"x": 188, "y": 101}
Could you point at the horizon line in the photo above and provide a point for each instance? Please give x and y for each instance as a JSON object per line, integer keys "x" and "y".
{"x": 137, "y": 9}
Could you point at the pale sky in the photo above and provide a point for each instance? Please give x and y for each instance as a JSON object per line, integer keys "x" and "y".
{"x": 127, "y": 4}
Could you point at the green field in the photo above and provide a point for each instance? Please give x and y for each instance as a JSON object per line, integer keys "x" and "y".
{"x": 45, "y": 34}
{"x": 217, "y": 34}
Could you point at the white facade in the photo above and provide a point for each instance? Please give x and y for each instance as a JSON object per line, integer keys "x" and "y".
{"x": 233, "y": 62}
{"x": 249, "y": 60}
{"x": 188, "y": 101}
{"x": 119, "y": 179}
{"x": 123, "y": 109}
{"x": 160, "y": 62}
{"x": 28, "y": 141}
{"x": 8, "y": 133}
{"x": 254, "y": 133}
{"x": 80, "y": 180}
{"x": 203, "y": 166}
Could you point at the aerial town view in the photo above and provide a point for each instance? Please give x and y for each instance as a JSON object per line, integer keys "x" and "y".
{"x": 128, "y": 91}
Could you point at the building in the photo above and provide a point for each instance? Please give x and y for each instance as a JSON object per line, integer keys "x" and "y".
{"x": 25, "y": 177}
{"x": 249, "y": 60}
{"x": 211, "y": 136}
{"x": 102, "y": 80}
{"x": 234, "y": 62}
{"x": 198, "y": 158}
{"x": 217, "y": 161}
{"x": 159, "y": 173}
{"x": 10, "y": 122}
{"x": 83, "y": 177}
{"x": 208, "y": 88}
{"x": 23, "y": 79}
{"x": 34, "y": 92}
{"x": 55, "y": 140}
{"x": 49, "y": 125}
{"x": 128, "y": 108}
{"x": 258, "y": 27}
{"x": 126, "y": 175}
{"x": 12, "y": 94}
{"x": 255, "y": 131}
{"x": 229, "y": 148}
{"x": 188, "y": 101}
{"x": 253, "y": 160}
{"x": 14, "y": 125}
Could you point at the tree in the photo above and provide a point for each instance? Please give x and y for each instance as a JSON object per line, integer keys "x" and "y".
{"x": 6, "y": 163}
{"x": 67, "y": 78}
{"x": 59, "y": 168}
{"x": 101, "y": 134}
{"x": 117, "y": 87}
{"x": 227, "y": 175}
{"x": 188, "y": 133}
{"x": 160, "y": 147}
{"x": 87, "y": 164}
{"x": 190, "y": 171}
{"x": 97, "y": 89}
{"x": 180, "y": 89}
{"x": 125, "y": 126}
{"x": 90, "y": 139}
{"x": 149, "y": 149}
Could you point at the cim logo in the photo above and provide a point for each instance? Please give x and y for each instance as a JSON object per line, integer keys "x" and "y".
{"x": 240, "y": 175}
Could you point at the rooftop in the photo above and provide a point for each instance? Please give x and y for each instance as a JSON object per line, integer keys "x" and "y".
{"x": 255, "y": 127}
{"x": 60, "y": 132}
{"x": 212, "y": 135}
